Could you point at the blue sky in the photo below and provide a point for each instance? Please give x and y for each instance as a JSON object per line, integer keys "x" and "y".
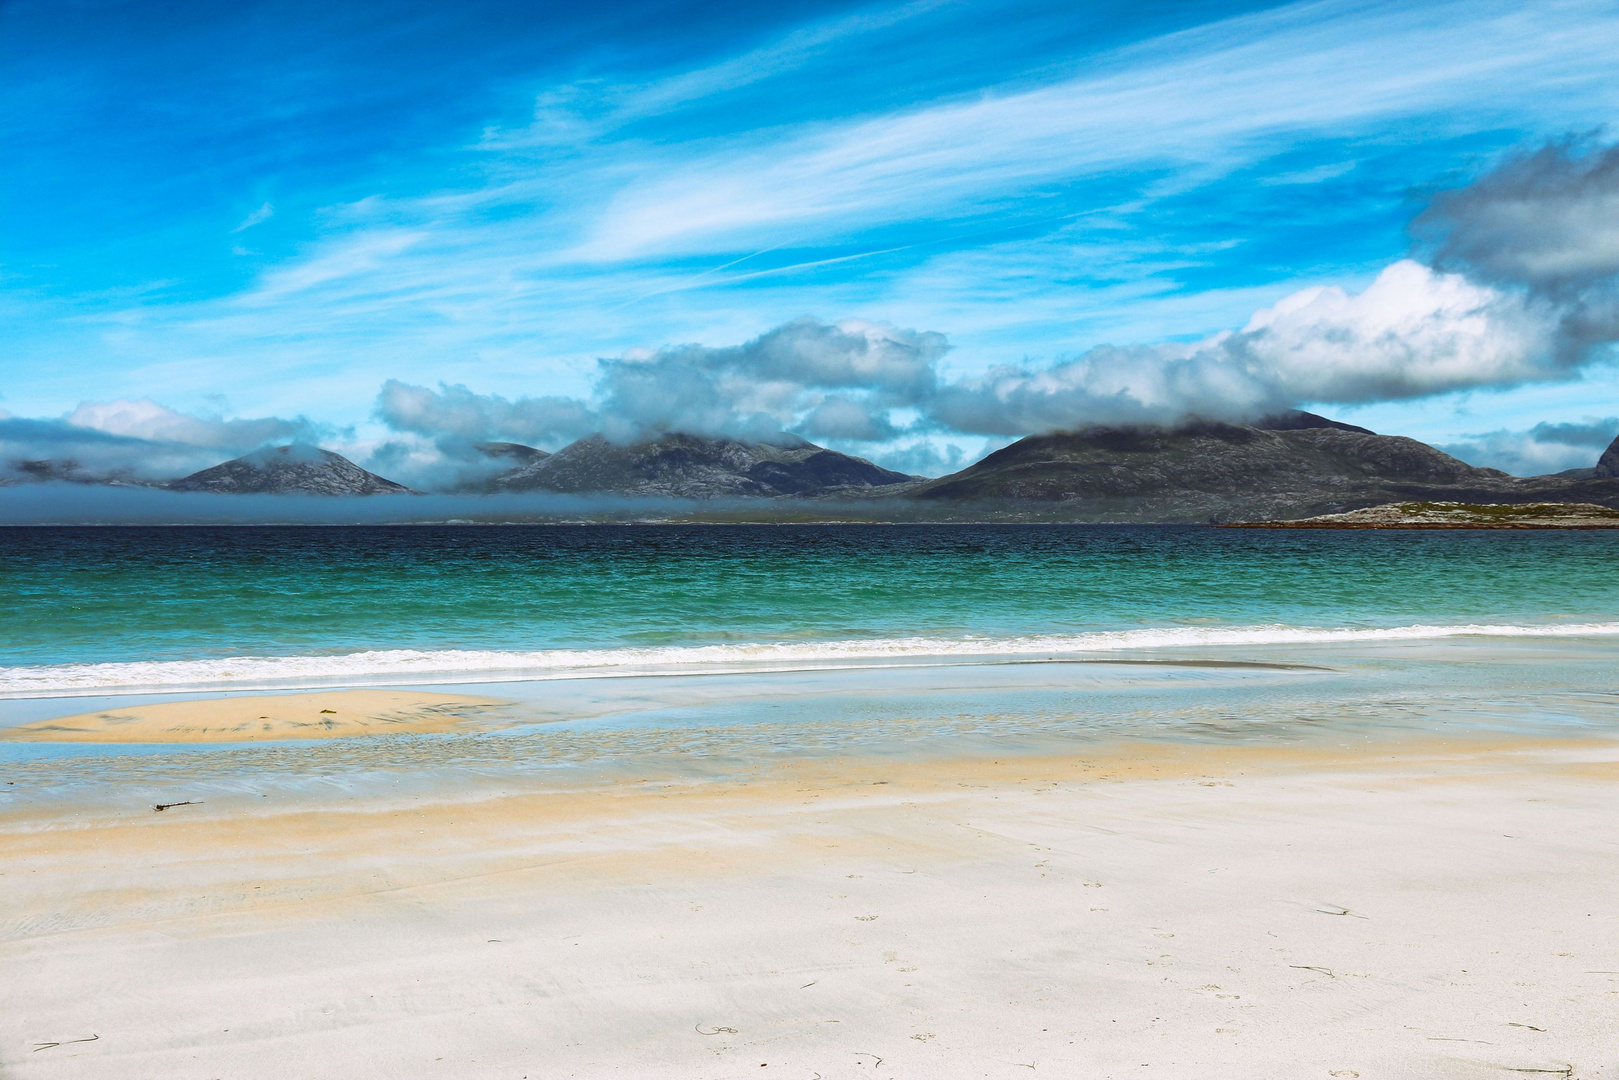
{"x": 269, "y": 210}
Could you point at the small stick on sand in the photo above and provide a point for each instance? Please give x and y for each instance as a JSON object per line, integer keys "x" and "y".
{"x": 162, "y": 806}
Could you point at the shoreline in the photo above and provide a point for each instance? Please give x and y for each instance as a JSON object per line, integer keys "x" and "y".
{"x": 444, "y": 669}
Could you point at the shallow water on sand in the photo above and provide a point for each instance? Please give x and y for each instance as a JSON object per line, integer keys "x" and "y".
{"x": 589, "y": 731}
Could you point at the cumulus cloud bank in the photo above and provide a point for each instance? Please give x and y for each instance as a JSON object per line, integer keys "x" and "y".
{"x": 823, "y": 381}
{"x": 134, "y": 440}
{"x": 1411, "y": 333}
{"x": 456, "y": 413}
{"x": 839, "y": 382}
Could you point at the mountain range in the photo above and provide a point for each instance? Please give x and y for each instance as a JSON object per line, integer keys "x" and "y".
{"x": 1289, "y": 466}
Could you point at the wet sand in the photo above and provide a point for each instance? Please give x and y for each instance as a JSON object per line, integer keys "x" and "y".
{"x": 1397, "y": 907}
{"x": 329, "y": 715}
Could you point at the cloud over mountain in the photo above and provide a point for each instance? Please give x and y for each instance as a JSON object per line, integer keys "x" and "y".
{"x": 827, "y": 381}
{"x": 456, "y": 413}
{"x": 136, "y": 440}
{"x": 1412, "y": 332}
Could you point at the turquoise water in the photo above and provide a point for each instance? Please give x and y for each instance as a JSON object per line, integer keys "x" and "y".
{"x": 91, "y": 609}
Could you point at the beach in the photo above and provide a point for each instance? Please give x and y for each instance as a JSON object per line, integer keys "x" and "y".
{"x": 1375, "y": 908}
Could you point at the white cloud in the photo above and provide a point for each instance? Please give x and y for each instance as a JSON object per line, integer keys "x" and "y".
{"x": 456, "y": 413}
{"x": 1411, "y": 333}
{"x": 146, "y": 419}
{"x": 137, "y": 439}
{"x": 264, "y": 213}
{"x": 1209, "y": 96}
{"x": 830, "y": 381}
{"x": 361, "y": 256}
{"x": 587, "y": 110}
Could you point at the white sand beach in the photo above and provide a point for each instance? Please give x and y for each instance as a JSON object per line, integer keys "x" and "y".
{"x": 1404, "y": 907}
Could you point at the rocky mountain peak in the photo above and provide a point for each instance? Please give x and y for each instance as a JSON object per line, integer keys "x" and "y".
{"x": 699, "y": 467}
{"x": 288, "y": 470}
{"x": 1608, "y": 464}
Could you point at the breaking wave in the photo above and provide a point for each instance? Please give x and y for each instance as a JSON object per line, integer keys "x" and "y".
{"x": 398, "y": 666}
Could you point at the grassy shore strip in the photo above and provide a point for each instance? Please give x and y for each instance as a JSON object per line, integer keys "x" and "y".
{"x": 1455, "y": 515}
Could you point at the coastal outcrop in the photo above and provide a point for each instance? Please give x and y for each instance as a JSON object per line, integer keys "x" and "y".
{"x": 1454, "y": 515}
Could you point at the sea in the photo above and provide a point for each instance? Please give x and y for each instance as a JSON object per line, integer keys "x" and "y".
{"x": 713, "y": 646}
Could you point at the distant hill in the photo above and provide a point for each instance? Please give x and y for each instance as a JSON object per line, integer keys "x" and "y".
{"x": 1294, "y": 465}
{"x": 699, "y": 467}
{"x": 518, "y": 454}
{"x": 288, "y": 470}
{"x": 64, "y": 471}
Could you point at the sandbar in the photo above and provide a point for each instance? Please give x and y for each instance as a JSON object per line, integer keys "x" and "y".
{"x": 328, "y": 715}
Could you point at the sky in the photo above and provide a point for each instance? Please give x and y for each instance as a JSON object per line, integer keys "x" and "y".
{"x": 911, "y": 231}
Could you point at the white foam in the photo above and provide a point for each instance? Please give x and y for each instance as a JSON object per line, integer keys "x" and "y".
{"x": 395, "y": 666}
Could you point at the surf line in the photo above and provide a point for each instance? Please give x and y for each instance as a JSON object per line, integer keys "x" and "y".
{"x": 402, "y": 666}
